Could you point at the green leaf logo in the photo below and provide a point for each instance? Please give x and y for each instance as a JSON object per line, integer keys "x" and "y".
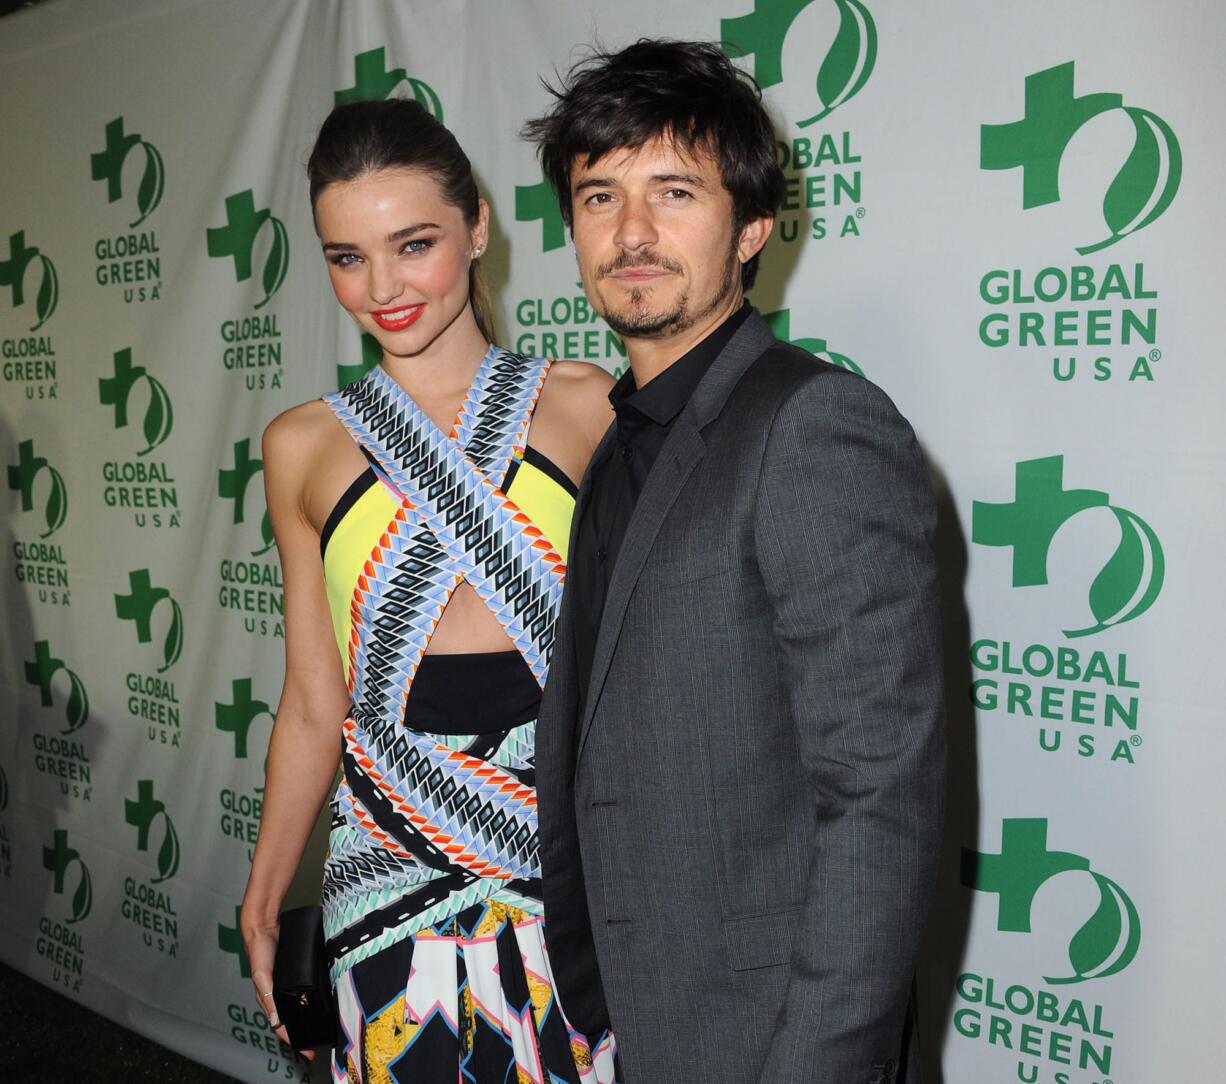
{"x": 57, "y": 859}
{"x": 168, "y": 854}
{"x": 57, "y": 504}
{"x": 373, "y": 80}
{"x": 152, "y": 184}
{"x": 277, "y": 264}
{"x": 159, "y": 415}
{"x": 83, "y": 897}
{"x": 78, "y": 703}
{"x": 173, "y": 646}
{"x": 48, "y": 293}
{"x": 425, "y": 96}
{"x": 1054, "y": 113}
{"x": 850, "y": 61}
{"x": 1109, "y": 940}
{"x": 780, "y": 324}
{"x": 1146, "y": 183}
{"x": 1131, "y": 580}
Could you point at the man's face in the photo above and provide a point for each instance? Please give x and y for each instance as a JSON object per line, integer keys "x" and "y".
{"x": 653, "y": 230}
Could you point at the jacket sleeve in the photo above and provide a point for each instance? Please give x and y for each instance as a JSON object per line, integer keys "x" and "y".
{"x": 843, "y": 530}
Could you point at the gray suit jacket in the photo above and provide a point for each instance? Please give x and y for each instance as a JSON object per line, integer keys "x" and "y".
{"x": 751, "y": 800}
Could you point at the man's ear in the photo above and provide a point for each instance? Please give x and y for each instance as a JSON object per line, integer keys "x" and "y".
{"x": 753, "y": 237}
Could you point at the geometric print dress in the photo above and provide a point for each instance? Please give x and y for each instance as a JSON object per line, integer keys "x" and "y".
{"x": 432, "y": 905}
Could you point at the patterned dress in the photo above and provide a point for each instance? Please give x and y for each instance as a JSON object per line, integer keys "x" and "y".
{"x": 432, "y": 904}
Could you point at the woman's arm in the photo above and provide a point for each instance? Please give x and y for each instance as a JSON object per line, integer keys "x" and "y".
{"x": 304, "y": 751}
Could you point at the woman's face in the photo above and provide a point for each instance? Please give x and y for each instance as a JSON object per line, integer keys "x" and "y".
{"x": 398, "y": 256}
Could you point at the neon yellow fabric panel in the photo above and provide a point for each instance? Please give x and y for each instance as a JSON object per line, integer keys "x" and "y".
{"x": 538, "y": 496}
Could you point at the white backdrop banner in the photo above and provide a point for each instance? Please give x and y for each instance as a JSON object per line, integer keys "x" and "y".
{"x": 1003, "y": 214}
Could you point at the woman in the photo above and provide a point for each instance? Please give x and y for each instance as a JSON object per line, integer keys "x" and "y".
{"x": 421, "y": 516}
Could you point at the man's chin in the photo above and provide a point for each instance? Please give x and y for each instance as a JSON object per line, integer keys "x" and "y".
{"x": 645, "y": 323}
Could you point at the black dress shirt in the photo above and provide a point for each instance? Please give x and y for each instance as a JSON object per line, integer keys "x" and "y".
{"x": 644, "y": 417}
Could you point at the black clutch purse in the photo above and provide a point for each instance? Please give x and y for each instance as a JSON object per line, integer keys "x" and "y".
{"x": 300, "y": 987}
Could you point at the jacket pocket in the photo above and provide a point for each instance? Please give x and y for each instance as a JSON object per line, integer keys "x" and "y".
{"x": 760, "y": 940}
{"x": 672, "y": 565}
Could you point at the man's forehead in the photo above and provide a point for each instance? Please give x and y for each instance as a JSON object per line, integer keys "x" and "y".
{"x": 660, "y": 154}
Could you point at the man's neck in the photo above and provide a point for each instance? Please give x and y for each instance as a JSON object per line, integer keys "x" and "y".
{"x": 650, "y": 357}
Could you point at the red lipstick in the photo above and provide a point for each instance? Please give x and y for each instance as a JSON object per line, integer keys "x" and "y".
{"x": 399, "y": 318}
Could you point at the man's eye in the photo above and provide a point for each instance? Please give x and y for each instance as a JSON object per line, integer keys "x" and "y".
{"x": 677, "y": 193}
{"x": 599, "y": 198}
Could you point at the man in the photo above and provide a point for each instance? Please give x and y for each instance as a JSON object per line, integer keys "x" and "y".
{"x": 740, "y": 752}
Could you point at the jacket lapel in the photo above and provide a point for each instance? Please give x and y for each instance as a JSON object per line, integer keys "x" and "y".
{"x": 683, "y": 449}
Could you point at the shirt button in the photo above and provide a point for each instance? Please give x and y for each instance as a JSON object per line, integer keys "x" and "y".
{"x": 627, "y": 452}
{"x": 601, "y": 554}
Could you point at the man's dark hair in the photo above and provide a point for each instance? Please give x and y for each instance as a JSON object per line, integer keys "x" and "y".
{"x": 687, "y": 91}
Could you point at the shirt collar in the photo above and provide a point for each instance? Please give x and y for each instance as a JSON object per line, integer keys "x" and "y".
{"x": 662, "y": 397}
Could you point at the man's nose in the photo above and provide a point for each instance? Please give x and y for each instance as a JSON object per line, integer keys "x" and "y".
{"x": 635, "y": 225}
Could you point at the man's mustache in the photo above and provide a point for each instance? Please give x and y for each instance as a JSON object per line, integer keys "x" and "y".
{"x": 641, "y": 259}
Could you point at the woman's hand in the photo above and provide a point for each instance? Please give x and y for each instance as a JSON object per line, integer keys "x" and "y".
{"x": 260, "y": 939}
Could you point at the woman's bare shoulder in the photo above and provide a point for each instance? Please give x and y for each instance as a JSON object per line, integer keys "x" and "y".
{"x": 301, "y": 430}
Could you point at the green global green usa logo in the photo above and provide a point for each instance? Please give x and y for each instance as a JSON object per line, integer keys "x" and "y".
{"x": 60, "y": 859}
{"x": 842, "y": 71}
{"x": 232, "y": 485}
{"x": 139, "y": 605}
{"x": 1130, "y": 580}
{"x": 22, "y": 477}
{"x": 237, "y": 238}
{"x": 1142, "y": 189}
{"x": 780, "y": 326}
{"x": 537, "y": 202}
{"x": 142, "y": 813}
{"x": 236, "y": 718}
{"x": 13, "y": 273}
{"x": 1107, "y": 942}
{"x": 373, "y": 82}
{"x": 108, "y": 164}
{"x": 41, "y": 671}
{"x": 116, "y": 391}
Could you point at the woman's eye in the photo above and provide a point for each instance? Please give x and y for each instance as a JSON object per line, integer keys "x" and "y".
{"x": 343, "y": 259}
{"x": 418, "y": 244}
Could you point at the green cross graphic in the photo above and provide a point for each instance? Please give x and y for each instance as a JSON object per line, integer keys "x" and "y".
{"x": 230, "y": 939}
{"x": 140, "y": 813}
{"x": 1019, "y": 871}
{"x": 237, "y": 718}
{"x": 371, "y": 79}
{"x": 537, "y": 201}
{"x": 138, "y": 606}
{"x": 237, "y": 237}
{"x": 1036, "y": 143}
{"x": 107, "y": 164}
{"x": 58, "y": 858}
{"x": 114, "y": 390}
{"x": 21, "y": 477}
{"x": 762, "y": 33}
{"x": 1030, "y": 522}
{"x": 44, "y": 667}
{"x": 13, "y": 270}
{"x": 232, "y": 483}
